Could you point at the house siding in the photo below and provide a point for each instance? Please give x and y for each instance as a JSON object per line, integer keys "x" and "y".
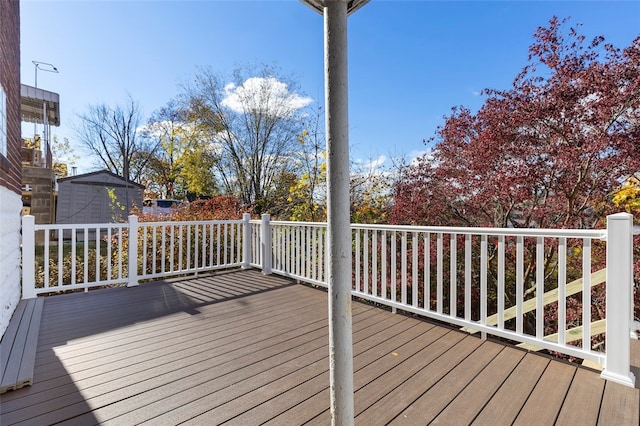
{"x": 10, "y": 165}
{"x": 10, "y": 208}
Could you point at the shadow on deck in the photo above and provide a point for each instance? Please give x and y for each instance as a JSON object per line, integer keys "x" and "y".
{"x": 241, "y": 348}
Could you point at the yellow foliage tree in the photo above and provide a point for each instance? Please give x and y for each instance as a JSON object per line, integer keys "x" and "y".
{"x": 628, "y": 196}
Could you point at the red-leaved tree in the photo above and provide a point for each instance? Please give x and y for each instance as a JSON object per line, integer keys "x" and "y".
{"x": 547, "y": 153}
{"x": 550, "y": 152}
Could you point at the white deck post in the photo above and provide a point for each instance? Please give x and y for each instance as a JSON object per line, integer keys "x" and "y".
{"x": 265, "y": 244}
{"x": 619, "y": 299}
{"x": 246, "y": 241}
{"x": 29, "y": 257}
{"x": 339, "y": 254}
{"x": 338, "y": 212}
{"x": 133, "y": 252}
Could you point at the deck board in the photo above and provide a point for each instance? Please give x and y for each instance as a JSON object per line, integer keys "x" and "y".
{"x": 507, "y": 402}
{"x": 243, "y": 348}
{"x": 220, "y": 392}
{"x": 19, "y": 344}
{"x": 619, "y": 404}
{"x": 586, "y": 393}
{"x": 400, "y": 398}
{"x": 436, "y": 398}
{"x": 315, "y": 405}
{"x": 466, "y": 406}
{"x": 550, "y": 393}
{"x": 366, "y": 352}
{"x": 10, "y": 353}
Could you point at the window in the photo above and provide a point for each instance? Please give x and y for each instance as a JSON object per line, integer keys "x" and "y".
{"x": 3, "y": 122}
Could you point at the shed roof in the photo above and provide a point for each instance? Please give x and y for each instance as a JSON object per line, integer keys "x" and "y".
{"x": 93, "y": 178}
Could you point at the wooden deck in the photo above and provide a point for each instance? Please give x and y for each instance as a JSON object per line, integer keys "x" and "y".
{"x": 240, "y": 348}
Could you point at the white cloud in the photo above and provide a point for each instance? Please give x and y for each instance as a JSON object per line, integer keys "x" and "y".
{"x": 417, "y": 154}
{"x": 365, "y": 168}
{"x": 263, "y": 94}
{"x": 161, "y": 128}
{"x": 370, "y": 164}
{"x": 376, "y": 163}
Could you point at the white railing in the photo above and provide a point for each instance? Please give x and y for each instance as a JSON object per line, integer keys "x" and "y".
{"x": 255, "y": 254}
{"x": 519, "y": 284}
{"x": 178, "y": 248}
{"x": 454, "y": 275}
{"x": 299, "y": 250}
{"x": 72, "y": 256}
{"x": 83, "y": 256}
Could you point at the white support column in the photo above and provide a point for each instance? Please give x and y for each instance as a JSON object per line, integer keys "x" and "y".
{"x": 29, "y": 257}
{"x": 265, "y": 244}
{"x": 338, "y": 212}
{"x": 132, "y": 270}
{"x": 246, "y": 241}
{"x": 619, "y": 299}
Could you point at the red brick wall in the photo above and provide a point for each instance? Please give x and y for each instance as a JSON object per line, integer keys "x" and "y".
{"x": 10, "y": 166}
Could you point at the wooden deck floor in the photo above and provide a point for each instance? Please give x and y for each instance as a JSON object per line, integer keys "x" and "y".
{"x": 240, "y": 348}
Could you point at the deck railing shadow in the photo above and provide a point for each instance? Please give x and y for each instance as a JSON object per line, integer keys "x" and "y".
{"x": 152, "y": 300}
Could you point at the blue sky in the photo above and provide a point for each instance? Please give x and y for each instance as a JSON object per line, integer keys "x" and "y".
{"x": 410, "y": 62}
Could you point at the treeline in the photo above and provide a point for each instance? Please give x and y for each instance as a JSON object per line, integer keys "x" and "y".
{"x": 558, "y": 149}
{"x": 251, "y": 135}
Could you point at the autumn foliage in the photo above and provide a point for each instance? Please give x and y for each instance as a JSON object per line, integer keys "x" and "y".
{"x": 222, "y": 207}
{"x": 549, "y": 152}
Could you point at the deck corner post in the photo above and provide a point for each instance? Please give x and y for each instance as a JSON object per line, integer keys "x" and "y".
{"x": 132, "y": 280}
{"x": 619, "y": 299}
{"x": 265, "y": 244}
{"x": 28, "y": 257}
{"x": 246, "y": 240}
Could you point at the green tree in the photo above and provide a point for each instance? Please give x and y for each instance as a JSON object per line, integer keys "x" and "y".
{"x": 253, "y": 119}
{"x": 185, "y": 157}
{"x": 164, "y": 127}
{"x": 198, "y": 170}
{"x": 63, "y": 156}
{"x": 370, "y": 196}
{"x": 277, "y": 202}
{"x": 307, "y": 198}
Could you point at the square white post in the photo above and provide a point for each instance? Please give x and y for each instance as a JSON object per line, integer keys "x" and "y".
{"x": 29, "y": 257}
{"x": 246, "y": 241}
{"x": 133, "y": 251}
{"x": 265, "y": 244}
{"x": 619, "y": 299}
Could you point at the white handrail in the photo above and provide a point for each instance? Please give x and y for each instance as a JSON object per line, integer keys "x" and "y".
{"x": 103, "y": 254}
{"x": 528, "y": 232}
